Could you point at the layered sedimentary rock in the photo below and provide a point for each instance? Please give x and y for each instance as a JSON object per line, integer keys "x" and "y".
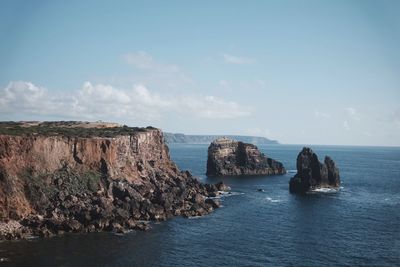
{"x": 229, "y": 157}
{"x": 312, "y": 174}
{"x": 57, "y": 177}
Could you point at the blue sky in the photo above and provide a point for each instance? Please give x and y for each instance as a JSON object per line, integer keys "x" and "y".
{"x": 308, "y": 72}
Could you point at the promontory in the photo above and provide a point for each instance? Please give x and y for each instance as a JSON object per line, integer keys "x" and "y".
{"x": 58, "y": 177}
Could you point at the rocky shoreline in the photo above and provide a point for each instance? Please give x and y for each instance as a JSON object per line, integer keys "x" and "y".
{"x": 126, "y": 209}
{"x": 100, "y": 179}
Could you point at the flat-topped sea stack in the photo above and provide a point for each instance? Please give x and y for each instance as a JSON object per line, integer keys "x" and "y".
{"x": 60, "y": 177}
{"x": 312, "y": 174}
{"x": 229, "y": 157}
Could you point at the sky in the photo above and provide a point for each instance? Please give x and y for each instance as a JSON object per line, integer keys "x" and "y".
{"x": 300, "y": 72}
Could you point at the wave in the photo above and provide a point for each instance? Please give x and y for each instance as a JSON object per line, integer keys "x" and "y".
{"x": 222, "y": 194}
{"x": 325, "y": 190}
{"x": 291, "y": 171}
{"x": 273, "y": 200}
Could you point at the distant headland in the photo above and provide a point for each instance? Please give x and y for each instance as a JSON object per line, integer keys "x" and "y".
{"x": 179, "y": 138}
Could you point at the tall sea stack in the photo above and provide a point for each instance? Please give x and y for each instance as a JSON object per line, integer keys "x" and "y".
{"x": 312, "y": 174}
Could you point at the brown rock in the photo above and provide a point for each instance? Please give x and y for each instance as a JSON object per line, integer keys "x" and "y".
{"x": 229, "y": 157}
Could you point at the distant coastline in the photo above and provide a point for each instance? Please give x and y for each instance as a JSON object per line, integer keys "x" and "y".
{"x": 179, "y": 138}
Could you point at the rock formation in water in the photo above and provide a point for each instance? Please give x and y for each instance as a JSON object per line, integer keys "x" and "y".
{"x": 229, "y": 157}
{"x": 83, "y": 177}
{"x": 312, "y": 174}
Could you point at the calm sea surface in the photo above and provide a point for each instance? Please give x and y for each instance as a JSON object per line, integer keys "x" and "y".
{"x": 358, "y": 226}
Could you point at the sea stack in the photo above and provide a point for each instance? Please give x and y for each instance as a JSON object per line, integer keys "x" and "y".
{"x": 229, "y": 157}
{"x": 60, "y": 177}
{"x": 312, "y": 174}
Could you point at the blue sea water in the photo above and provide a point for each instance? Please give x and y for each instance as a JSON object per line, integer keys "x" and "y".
{"x": 357, "y": 226}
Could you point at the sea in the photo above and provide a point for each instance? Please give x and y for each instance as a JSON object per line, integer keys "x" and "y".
{"x": 259, "y": 224}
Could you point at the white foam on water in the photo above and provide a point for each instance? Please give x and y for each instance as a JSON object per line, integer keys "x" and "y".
{"x": 122, "y": 234}
{"x": 325, "y": 190}
{"x": 226, "y": 194}
{"x": 273, "y": 200}
{"x": 194, "y": 217}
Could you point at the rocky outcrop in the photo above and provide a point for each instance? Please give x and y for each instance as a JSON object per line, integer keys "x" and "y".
{"x": 57, "y": 178}
{"x": 229, "y": 157}
{"x": 312, "y": 174}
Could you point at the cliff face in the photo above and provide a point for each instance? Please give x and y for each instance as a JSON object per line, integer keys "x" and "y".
{"x": 312, "y": 174}
{"x": 229, "y": 157}
{"x": 59, "y": 182}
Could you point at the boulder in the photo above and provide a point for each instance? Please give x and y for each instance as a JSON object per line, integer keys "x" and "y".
{"x": 229, "y": 157}
{"x": 312, "y": 174}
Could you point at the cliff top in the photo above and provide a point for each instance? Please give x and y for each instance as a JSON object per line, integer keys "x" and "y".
{"x": 223, "y": 140}
{"x": 68, "y": 128}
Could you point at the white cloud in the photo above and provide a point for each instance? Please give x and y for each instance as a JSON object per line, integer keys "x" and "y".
{"x": 25, "y": 97}
{"x": 260, "y": 132}
{"x": 154, "y": 73}
{"x": 346, "y": 125}
{"x": 142, "y": 60}
{"x": 223, "y": 83}
{"x": 105, "y": 101}
{"x": 237, "y": 60}
{"x": 353, "y": 113}
{"x": 320, "y": 114}
{"x": 211, "y": 107}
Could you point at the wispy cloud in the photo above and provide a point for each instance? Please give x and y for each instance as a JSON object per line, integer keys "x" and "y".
{"x": 154, "y": 73}
{"x": 396, "y": 117}
{"x": 320, "y": 114}
{"x": 230, "y": 59}
{"x": 260, "y": 132}
{"x": 353, "y": 113}
{"x": 346, "y": 125}
{"x": 142, "y": 60}
{"x": 105, "y": 101}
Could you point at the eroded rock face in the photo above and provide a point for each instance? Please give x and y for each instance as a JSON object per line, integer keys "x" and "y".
{"x": 229, "y": 157}
{"x": 312, "y": 174}
{"x": 57, "y": 183}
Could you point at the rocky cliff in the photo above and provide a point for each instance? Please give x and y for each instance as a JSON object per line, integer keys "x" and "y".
{"x": 57, "y": 177}
{"x": 312, "y": 174}
{"x": 229, "y": 157}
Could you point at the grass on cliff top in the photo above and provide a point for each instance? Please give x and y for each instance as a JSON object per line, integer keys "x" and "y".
{"x": 64, "y": 129}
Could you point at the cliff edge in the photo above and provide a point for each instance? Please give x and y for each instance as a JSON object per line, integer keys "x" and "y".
{"x": 60, "y": 177}
{"x": 229, "y": 157}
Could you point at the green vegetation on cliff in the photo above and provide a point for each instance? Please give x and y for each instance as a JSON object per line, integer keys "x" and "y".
{"x": 68, "y": 128}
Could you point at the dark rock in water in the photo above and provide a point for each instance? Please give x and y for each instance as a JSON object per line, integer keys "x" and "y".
{"x": 312, "y": 174}
{"x": 229, "y": 157}
{"x": 213, "y": 202}
{"x": 222, "y": 187}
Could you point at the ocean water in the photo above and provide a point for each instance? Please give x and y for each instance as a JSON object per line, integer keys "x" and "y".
{"x": 357, "y": 226}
